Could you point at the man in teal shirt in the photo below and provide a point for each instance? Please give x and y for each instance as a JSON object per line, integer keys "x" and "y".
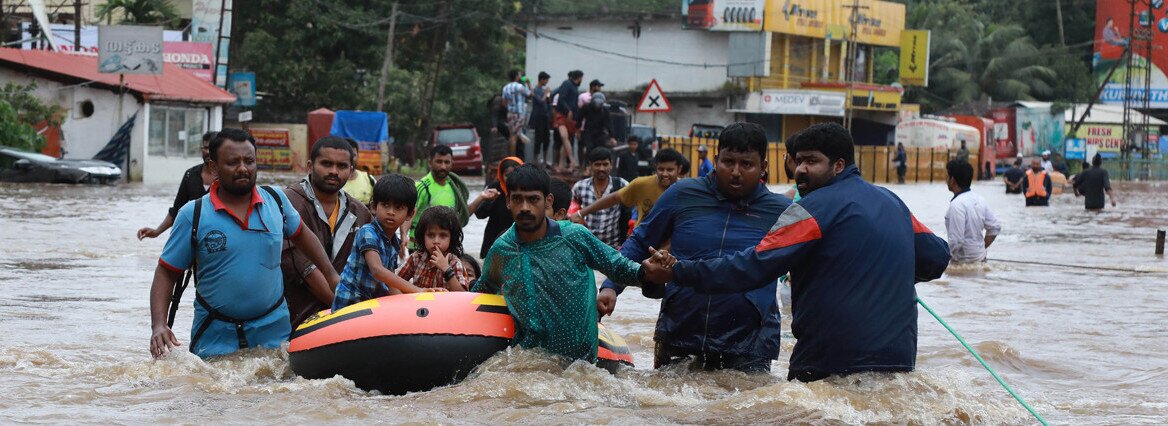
{"x": 441, "y": 188}
{"x": 544, "y": 269}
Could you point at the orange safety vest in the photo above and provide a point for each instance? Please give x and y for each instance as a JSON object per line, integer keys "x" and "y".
{"x": 1036, "y": 184}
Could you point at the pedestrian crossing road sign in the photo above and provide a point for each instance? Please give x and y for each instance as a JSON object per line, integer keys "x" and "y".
{"x": 654, "y": 99}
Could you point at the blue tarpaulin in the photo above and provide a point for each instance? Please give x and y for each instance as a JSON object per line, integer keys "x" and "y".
{"x": 369, "y": 129}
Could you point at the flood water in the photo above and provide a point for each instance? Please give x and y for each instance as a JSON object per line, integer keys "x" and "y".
{"x": 1082, "y": 345}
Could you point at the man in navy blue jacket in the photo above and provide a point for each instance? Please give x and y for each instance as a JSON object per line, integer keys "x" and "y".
{"x": 712, "y": 217}
{"x": 855, "y": 251}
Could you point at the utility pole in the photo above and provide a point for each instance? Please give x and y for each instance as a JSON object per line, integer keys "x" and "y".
{"x": 1058, "y": 10}
{"x": 853, "y": 47}
{"x": 387, "y": 63}
{"x": 438, "y": 50}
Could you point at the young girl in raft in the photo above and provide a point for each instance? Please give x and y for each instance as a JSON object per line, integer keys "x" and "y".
{"x": 437, "y": 264}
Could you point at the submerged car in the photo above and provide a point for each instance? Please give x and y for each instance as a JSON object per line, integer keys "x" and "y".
{"x": 23, "y": 166}
{"x": 463, "y": 139}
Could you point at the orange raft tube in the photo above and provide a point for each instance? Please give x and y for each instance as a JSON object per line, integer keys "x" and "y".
{"x": 416, "y": 342}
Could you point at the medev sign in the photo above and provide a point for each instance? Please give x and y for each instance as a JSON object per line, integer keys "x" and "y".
{"x": 125, "y": 49}
{"x": 803, "y": 102}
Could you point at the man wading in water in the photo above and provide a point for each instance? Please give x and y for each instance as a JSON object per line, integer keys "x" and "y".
{"x": 239, "y": 301}
{"x": 855, "y": 251}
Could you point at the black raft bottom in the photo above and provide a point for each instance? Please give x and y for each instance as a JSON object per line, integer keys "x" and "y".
{"x": 396, "y": 365}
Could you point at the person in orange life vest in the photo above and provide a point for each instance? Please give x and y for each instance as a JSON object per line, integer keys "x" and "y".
{"x": 1037, "y": 185}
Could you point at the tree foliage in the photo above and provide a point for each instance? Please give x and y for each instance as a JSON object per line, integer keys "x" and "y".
{"x": 140, "y": 12}
{"x": 314, "y": 54}
{"x": 16, "y": 133}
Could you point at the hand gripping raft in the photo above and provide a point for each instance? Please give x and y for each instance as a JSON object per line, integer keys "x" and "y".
{"x": 416, "y": 342}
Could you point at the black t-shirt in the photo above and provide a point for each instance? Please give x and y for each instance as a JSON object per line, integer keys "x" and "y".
{"x": 498, "y": 219}
{"x": 1014, "y": 175}
{"x": 189, "y": 189}
{"x": 1093, "y": 184}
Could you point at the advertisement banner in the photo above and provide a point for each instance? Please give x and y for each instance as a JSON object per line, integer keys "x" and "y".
{"x": 722, "y": 15}
{"x": 195, "y": 58}
{"x": 64, "y": 35}
{"x": 1113, "y": 34}
{"x": 878, "y": 22}
{"x": 914, "y": 58}
{"x": 127, "y": 49}
{"x": 273, "y": 148}
{"x": 243, "y": 86}
{"x": 207, "y": 18}
{"x": 1039, "y": 130}
{"x": 1107, "y": 139}
{"x": 803, "y": 102}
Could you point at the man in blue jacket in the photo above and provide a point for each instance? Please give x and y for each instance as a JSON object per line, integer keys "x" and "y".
{"x": 855, "y": 251}
{"x": 720, "y": 214}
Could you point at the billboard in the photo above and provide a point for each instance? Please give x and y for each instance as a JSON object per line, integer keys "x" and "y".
{"x": 1113, "y": 35}
{"x": 722, "y": 15}
{"x": 127, "y": 49}
{"x": 879, "y": 22}
{"x": 194, "y": 58}
{"x": 243, "y": 86}
{"x": 273, "y": 148}
{"x": 1107, "y": 139}
{"x": 208, "y": 17}
{"x": 803, "y": 102}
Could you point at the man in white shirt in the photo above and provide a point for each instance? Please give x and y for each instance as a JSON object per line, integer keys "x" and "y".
{"x": 967, "y": 217}
{"x": 1046, "y": 163}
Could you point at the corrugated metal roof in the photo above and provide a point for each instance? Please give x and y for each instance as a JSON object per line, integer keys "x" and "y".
{"x": 1106, "y": 114}
{"x": 174, "y": 84}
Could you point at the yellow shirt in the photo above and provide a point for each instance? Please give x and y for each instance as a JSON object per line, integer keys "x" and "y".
{"x": 641, "y": 193}
{"x": 360, "y": 187}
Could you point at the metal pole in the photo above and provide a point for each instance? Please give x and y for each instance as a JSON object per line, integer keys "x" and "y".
{"x": 1160, "y": 242}
{"x": 77, "y": 25}
{"x": 387, "y": 63}
{"x": 917, "y": 169}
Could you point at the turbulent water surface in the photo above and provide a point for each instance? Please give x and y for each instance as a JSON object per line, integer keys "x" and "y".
{"x": 1082, "y": 345}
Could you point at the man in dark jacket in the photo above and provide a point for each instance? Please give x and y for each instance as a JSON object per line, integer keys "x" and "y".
{"x": 331, "y": 215}
{"x": 856, "y": 252}
{"x": 720, "y": 214}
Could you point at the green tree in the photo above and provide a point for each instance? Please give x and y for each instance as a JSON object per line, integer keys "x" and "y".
{"x": 140, "y": 12}
{"x": 16, "y": 133}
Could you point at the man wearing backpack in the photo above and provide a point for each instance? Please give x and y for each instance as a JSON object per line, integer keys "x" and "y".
{"x": 232, "y": 239}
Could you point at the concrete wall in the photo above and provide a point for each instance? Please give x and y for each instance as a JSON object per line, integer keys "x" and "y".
{"x": 659, "y": 40}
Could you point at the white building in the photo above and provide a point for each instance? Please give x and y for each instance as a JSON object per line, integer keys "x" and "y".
{"x": 172, "y": 110}
{"x": 626, "y": 52}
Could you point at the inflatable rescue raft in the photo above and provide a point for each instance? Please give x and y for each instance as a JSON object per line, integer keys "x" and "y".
{"x": 416, "y": 342}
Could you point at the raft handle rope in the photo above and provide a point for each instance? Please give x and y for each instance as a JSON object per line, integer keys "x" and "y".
{"x": 983, "y": 363}
{"x": 1104, "y": 268}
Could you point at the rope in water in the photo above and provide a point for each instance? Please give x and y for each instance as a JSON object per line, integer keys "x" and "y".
{"x": 983, "y": 363}
{"x": 1104, "y": 268}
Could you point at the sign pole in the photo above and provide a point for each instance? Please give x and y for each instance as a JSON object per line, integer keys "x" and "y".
{"x": 118, "y": 124}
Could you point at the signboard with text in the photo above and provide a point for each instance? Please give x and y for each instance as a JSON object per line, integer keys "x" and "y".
{"x": 723, "y": 15}
{"x": 273, "y": 148}
{"x": 803, "y": 102}
{"x": 128, "y": 49}
{"x": 878, "y": 22}
{"x": 914, "y": 58}
{"x": 1114, "y": 34}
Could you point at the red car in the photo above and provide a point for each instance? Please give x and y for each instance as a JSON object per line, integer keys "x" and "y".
{"x": 463, "y": 139}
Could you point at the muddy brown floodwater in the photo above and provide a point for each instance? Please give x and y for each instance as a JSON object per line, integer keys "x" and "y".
{"x": 1084, "y": 345}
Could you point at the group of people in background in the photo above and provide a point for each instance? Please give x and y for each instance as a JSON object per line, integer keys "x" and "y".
{"x": 1044, "y": 178}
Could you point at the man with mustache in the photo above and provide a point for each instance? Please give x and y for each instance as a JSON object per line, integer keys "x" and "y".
{"x": 855, "y": 251}
{"x": 331, "y": 215}
{"x": 441, "y": 187}
{"x": 544, "y": 268}
{"x": 235, "y": 252}
{"x": 710, "y": 217}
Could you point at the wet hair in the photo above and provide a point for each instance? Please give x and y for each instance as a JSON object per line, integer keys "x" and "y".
{"x": 334, "y": 142}
{"x": 544, "y": 75}
{"x": 207, "y": 137}
{"x": 512, "y": 75}
{"x": 744, "y": 137}
{"x": 440, "y": 150}
{"x": 574, "y": 74}
{"x": 236, "y": 135}
{"x": 469, "y": 262}
{"x": 831, "y": 139}
{"x": 528, "y": 177}
{"x": 444, "y": 218}
{"x": 666, "y": 155}
{"x": 561, "y": 195}
{"x": 1097, "y": 160}
{"x": 395, "y": 189}
{"x": 961, "y": 172}
{"x": 599, "y": 153}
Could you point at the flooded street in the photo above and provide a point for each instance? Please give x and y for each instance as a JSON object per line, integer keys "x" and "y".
{"x": 1074, "y": 322}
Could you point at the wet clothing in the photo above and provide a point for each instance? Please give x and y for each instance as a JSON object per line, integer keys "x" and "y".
{"x": 189, "y": 189}
{"x": 237, "y": 270}
{"x": 642, "y": 193}
{"x": 498, "y": 218}
{"x": 357, "y": 281}
{"x": 337, "y": 241}
{"x": 361, "y": 187}
{"x": 901, "y": 162}
{"x": 1093, "y": 183}
{"x": 1014, "y": 175}
{"x": 1037, "y": 195}
{"x": 516, "y": 94}
{"x": 597, "y": 128}
{"x": 550, "y": 287}
{"x": 605, "y": 224}
{"x": 453, "y": 194}
{"x": 626, "y": 164}
{"x": 421, "y": 273}
{"x": 856, "y": 252}
{"x": 569, "y": 95}
{"x": 967, "y": 218}
{"x": 743, "y": 323}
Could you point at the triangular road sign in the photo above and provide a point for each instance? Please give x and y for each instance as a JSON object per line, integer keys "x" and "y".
{"x": 654, "y": 99}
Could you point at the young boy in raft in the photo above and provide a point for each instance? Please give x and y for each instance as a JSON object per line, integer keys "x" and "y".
{"x": 438, "y": 264}
{"x": 544, "y": 268}
{"x": 369, "y": 273}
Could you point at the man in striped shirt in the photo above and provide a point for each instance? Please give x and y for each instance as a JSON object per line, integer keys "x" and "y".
{"x": 515, "y": 94}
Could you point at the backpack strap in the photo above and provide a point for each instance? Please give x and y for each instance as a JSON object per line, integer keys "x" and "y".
{"x": 180, "y": 285}
{"x": 271, "y": 191}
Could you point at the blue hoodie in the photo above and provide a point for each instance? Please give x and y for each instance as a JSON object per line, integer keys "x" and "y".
{"x": 856, "y": 252}
{"x": 704, "y": 224}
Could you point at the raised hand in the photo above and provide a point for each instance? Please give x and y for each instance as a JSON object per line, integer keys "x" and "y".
{"x": 438, "y": 260}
